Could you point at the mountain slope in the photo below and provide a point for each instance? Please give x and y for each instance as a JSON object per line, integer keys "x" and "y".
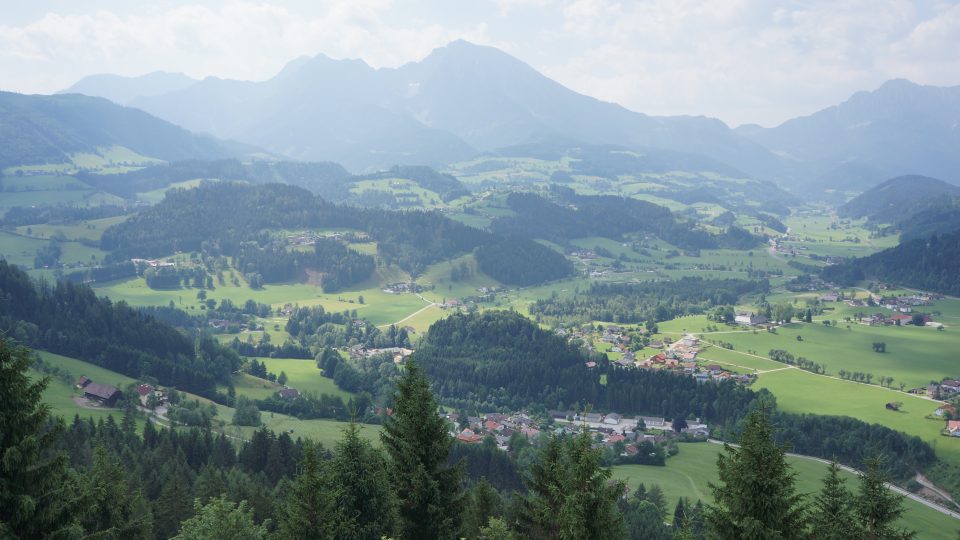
{"x": 891, "y": 198}
{"x": 460, "y": 99}
{"x": 123, "y": 90}
{"x": 900, "y": 128}
{"x": 929, "y": 264}
{"x": 46, "y": 129}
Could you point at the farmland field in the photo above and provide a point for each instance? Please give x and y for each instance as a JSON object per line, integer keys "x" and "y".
{"x": 59, "y": 395}
{"x": 688, "y": 474}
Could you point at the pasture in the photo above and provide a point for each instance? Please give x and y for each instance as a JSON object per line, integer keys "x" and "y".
{"x": 689, "y": 472}
{"x": 914, "y": 355}
{"x": 304, "y": 376}
{"x": 59, "y": 396}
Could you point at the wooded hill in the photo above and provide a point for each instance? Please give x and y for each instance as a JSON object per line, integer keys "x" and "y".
{"x": 929, "y": 264}
{"x": 888, "y": 202}
{"x": 69, "y": 319}
{"x": 223, "y": 218}
{"x": 566, "y": 215}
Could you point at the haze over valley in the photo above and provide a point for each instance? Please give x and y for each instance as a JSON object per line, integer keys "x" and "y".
{"x": 375, "y": 271}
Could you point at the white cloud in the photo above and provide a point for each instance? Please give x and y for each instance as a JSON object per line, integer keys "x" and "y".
{"x": 739, "y": 60}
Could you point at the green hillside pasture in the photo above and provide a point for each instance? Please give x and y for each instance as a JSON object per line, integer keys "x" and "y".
{"x": 59, "y": 396}
{"x": 915, "y": 355}
{"x": 135, "y": 292}
{"x": 19, "y": 250}
{"x": 438, "y": 276}
{"x": 734, "y": 361}
{"x": 799, "y": 392}
{"x": 112, "y": 159}
{"x": 304, "y": 376}
{"x": 428, "y": 199}
{"x": 42, "y": 182}
{"x": 74, "y": 197}
{"x": 816, "y": 236}
{"x": 157, "y": 195}
{"x": 688, "y": 474}
{"x": 88, "y": 230}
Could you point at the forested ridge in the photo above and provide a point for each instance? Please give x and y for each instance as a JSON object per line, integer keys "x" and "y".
{"x": 648, "y": 301}
{"x": 929, "y": 264}
{"x": 568, "y": 216}
{"x": 69, "y": 319}
{"x": 217, "y": 218}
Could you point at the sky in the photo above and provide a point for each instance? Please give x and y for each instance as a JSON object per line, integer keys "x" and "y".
{"x": 742, "y": 61}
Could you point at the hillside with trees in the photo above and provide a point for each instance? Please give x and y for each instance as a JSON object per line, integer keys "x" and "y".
{"x": 649, "y": 301}
{"x": 69, "y": 319}
{"x": 886, "y": 202}
{"x": 37, "y": 129}
{"x": 566, "y": 216}
{"x": 929, "y": 264}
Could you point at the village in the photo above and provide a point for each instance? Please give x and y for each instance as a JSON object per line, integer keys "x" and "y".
{"x": 680, "y": 356}
{"x": 611, "y": 431}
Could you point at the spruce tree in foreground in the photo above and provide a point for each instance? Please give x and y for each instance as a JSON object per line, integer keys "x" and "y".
{"x": 221, "y": 519}
{"x": 34, "y": 491}
{"x": 362, "y": 480}
{"x": 756, "y": 498}
{"x": 571, "y": 495}
{"x": 832, "y": 512}
{"x": 416, "y": 438}
{"x": 876, "y": 507}
{"x": 310, "y": 510}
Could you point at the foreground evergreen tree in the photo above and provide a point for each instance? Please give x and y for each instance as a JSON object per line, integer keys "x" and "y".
{"x": 876, "y": 507}
{"x": 832, "y": 516}
{"x": 362, "y": 481}
{"x": 756, "y": 498}
{"x": 221, "y": 519}
{"x": 416, "y": 438}
{"x": 111, "y": 508}
{"x": 310, "y": 509}
{"x": 483, "y": 503}
{"x": 571, "y": 495}
{"x": 34, "y": 492}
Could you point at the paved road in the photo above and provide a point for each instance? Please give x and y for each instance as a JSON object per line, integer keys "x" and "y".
{"x": 896, "y": 489}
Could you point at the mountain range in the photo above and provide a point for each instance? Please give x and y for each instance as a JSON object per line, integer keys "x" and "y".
{"x": 464, "y": 99}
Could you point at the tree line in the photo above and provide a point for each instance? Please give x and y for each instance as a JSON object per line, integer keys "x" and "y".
{"x": 69, "y": 319}
{"x": 105, "y": 480}
{"x": 647, "y": 301}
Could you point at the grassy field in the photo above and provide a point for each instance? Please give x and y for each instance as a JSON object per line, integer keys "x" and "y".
{"x": 304, "y": 376}
{"x": 59, "y": 396}
{"x": 87, "y": 230}
{"x": 915, "y": 355}
{"x": 801, "y": 392}
{"x": 688, "y": 473}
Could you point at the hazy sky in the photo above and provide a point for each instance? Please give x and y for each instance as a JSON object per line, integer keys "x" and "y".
{"x": 739, "y": 60}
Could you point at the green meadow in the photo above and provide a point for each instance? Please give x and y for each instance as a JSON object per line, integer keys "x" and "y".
{"x": 689, "y": 473}
{"x": 59, "y": 396}
{"x": 915, "y": 355}
{"x": 304, "y": 376}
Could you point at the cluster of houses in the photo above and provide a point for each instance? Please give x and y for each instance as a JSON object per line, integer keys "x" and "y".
{"x": 399, "y": 354}
{"x": 945, "y": 389}
{"x": 899, "y": 319}
{"x": 500, "y": 426}
{"x": 108, "y": 395}
{"x": 679, "y": 355}
{"x": 608, "y": 429}
{"x": 151, "y": 263}
{"x": 310, "y": 238}
{"x": 403, "y": 287}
